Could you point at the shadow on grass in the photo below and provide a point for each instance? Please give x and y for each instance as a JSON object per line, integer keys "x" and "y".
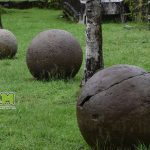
{"x": 8, "y": 58}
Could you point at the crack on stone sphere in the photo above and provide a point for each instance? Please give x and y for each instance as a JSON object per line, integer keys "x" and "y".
{"x": 86, "y": 99}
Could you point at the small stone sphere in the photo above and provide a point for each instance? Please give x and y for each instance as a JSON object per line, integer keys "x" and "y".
{"x": 54, "y": 54}
{"x": 113, "y": 110}
{"x": 8, "y": 44}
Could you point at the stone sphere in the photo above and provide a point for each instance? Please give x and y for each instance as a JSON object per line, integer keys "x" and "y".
{"x": 113, "y": 110}
{"x": 54, "y": 54}
{"x": 8, "y": 44}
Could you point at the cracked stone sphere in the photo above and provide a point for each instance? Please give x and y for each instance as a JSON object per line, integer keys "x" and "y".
{"x": 54, "y": 54}
{"x": 113, "y": 110}
{"x": 8, "y": 44}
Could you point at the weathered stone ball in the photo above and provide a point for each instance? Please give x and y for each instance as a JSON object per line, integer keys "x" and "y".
{"x": 113, "y": 110}
{"x": 54, "y": 54}
{"x": 8, "y": 44}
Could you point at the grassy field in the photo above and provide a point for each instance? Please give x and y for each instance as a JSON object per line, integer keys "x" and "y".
{"x": 16, "y": 0}
{"x": 45, "y": 115}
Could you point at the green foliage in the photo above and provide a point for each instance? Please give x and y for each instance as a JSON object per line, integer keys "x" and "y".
{"x": 138, "y": 8}
{"x": 48, "y": 3}
{"x": 2, "y": 10}
{"x": 53, "y": 3}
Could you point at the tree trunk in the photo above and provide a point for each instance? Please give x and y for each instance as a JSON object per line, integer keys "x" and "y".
{"x": 1, "y": 26}
{"x": 149, "y": 14}
{"x": 94, "y": 53}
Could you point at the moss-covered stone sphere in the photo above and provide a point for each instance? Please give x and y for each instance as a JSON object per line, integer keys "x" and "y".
{"x": 8, "y": 44}
{"x": 113, "y": 110}
{"x": 54, "y": 54}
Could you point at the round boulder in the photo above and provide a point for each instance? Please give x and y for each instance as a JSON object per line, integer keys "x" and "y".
{"x": 113, "y": 110}
{"x": 54, "y": 54}
{"x": 8, "y": 44}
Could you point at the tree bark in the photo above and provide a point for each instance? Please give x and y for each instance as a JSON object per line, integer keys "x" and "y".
{"x": 94, "y": 53}
{"x": 149, "y": 14}
{"x": 1, "y": 26}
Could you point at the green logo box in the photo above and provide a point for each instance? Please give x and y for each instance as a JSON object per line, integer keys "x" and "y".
{"x": 7, "y": 100}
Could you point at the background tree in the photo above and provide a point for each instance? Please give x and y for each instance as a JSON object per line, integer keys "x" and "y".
{"x": 1, "y": 26}
{"x": 149, "y": 14}
{"x": 94, "y": 53}
{"x": 138, "y": 9}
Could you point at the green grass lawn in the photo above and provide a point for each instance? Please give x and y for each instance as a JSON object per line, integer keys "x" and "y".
{"x": 18, "y": 0}
{"x": 45, "y": 115}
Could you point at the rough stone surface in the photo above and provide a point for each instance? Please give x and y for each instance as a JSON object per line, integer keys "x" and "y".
{"x": 8, "y": 44}
{"x": 54, "y": 54}
{"x": 113, "y": 110}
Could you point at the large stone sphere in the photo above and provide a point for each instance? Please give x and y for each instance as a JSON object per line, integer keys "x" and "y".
{"x": 113, "y": 110}
{"x": 8, "y": 44}
{"x": 54, "y": 54}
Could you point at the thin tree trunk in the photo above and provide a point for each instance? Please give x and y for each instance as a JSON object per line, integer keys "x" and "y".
{"x": 140, "y": 11}
{"x": 1, "y": 25}
{"x": 149, "y": 14}
{"x": 94, "y": 53}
